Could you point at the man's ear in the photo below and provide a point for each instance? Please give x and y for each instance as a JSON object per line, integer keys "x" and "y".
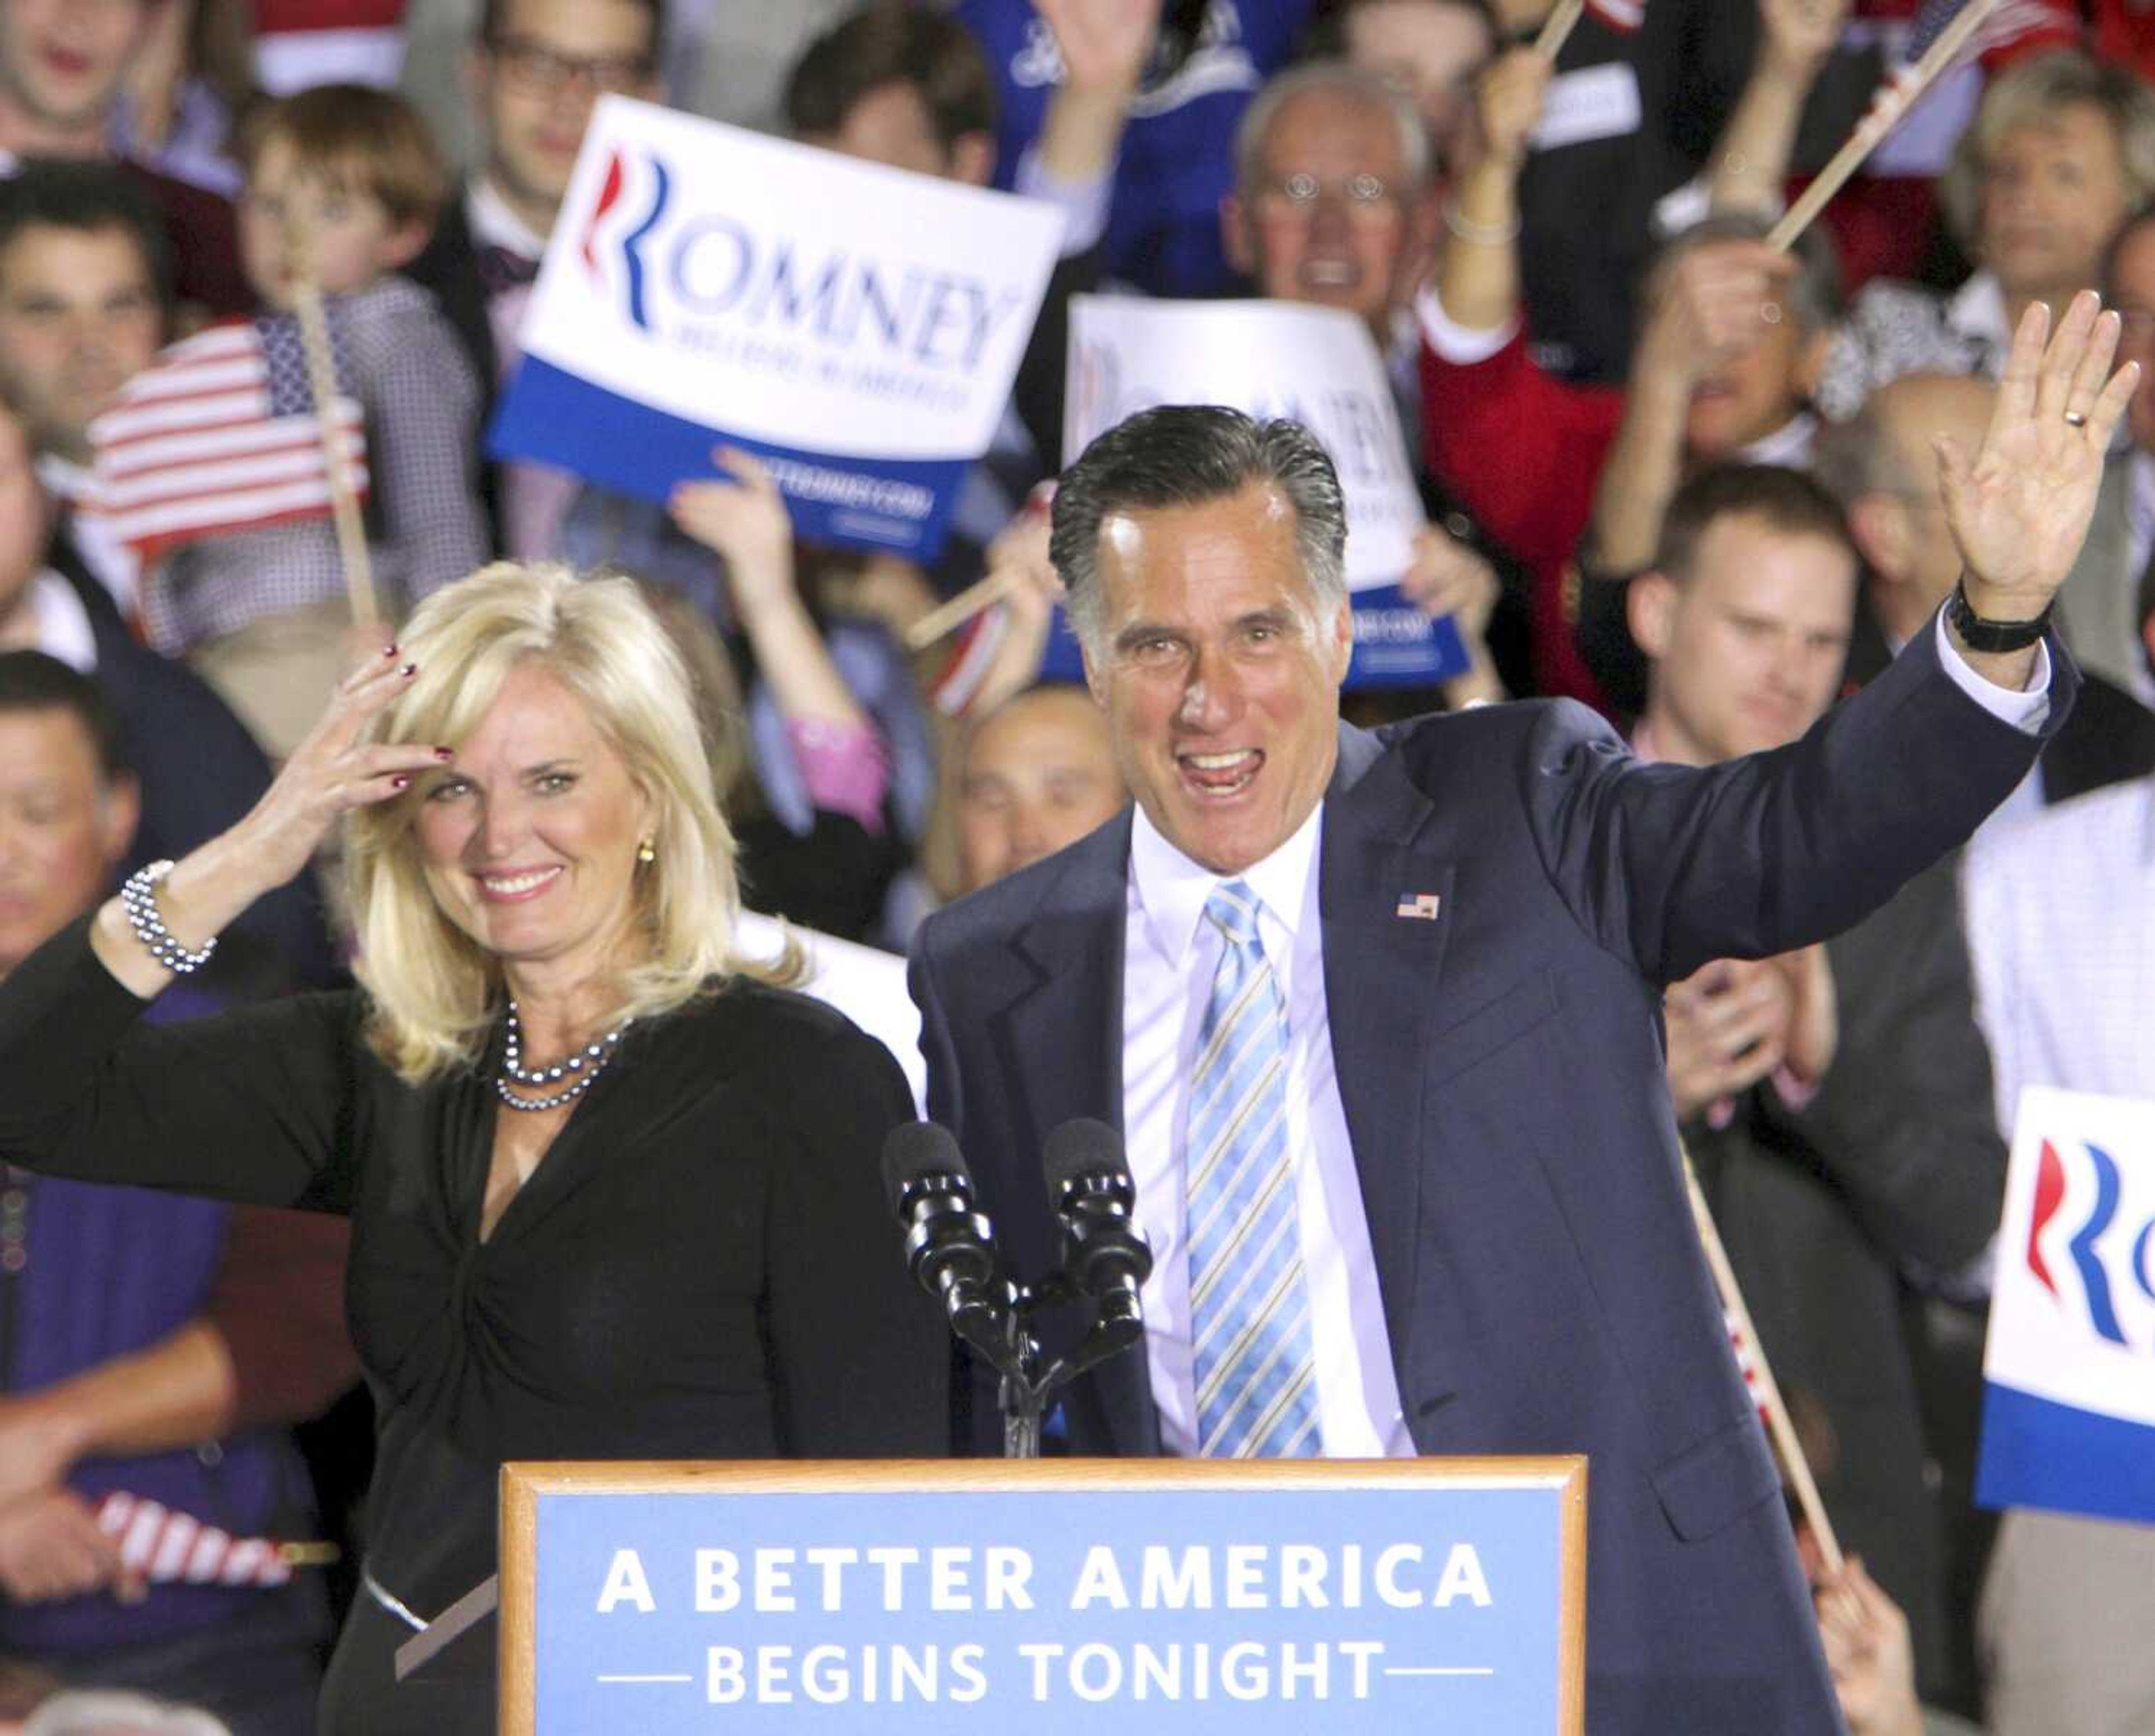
{"x": 120, "y": 812}
{"x": 1236, "y": 240}
{"x": 973, "y": 158}
{"x": 1096, "y": 682}
{"x": 1650, "y": 607}
{"x": 1879, "y": 523}
{"x": 1810, "y": 363}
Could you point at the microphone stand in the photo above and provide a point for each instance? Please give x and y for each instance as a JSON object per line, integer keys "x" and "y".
{"x": 1026, "y": 1386}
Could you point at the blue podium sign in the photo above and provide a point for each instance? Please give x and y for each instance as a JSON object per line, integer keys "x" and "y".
{"x": 1171, "y": 1595}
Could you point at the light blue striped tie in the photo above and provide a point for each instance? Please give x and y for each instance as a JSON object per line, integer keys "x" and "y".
{"x": 1256, "y": 1392}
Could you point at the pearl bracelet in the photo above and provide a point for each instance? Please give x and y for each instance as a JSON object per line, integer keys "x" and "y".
{"x": 138, "y": 898}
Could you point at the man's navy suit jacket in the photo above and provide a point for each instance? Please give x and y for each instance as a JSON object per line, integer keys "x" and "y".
{"x": 1501, "y": 1071}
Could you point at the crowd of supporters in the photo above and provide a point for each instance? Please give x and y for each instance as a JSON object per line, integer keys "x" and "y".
{"x": 1668, "y": 469}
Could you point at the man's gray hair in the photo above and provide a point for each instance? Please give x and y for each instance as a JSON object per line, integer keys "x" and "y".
{"x": 1188, "y": 455}
{"x": 1330, "y": 77}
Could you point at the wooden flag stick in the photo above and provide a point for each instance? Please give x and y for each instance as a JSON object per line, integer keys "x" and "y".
{"x": 309, "y": 1554}
{"x": 1564, "y": 18}
{"x": 973, "y": 600}
{"x": 1895, "y": 97}
{"x": 1778, "y": 1427}
{"x": 322, "y": 387}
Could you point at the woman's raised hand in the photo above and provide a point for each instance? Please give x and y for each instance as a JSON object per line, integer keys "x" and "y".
{"x": 334, "y": 769}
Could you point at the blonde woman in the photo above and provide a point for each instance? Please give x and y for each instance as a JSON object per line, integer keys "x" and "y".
{"x": 595, "y": 1215}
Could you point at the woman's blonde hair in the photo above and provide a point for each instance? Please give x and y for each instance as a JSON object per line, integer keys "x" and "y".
{"x": 2032, "y": 93}
{"x": 434, "y": 990}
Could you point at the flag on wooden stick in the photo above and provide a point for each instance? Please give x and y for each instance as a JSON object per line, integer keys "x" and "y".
{"x": 168, "y": 1548}
{"x": 1941, "y": 37}
{"x": 218, "y": 434}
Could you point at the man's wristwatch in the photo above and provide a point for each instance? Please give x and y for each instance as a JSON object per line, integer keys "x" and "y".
{"x": 1978, "y": 634}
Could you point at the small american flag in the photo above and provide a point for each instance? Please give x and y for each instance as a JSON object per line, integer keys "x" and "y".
{"x": 1747, "y": 1364}
{"x": 168, "y": 1548}
{"x": 2009, "y": 20}
{"x": 218, "y": 434}
{"x": 1417, "y": 906}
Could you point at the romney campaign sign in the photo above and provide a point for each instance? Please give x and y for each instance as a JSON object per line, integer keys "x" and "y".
{"x": 1315, "y": 366}
{"x": 2069, "y": 1371}
{"x": 857, "y": 327}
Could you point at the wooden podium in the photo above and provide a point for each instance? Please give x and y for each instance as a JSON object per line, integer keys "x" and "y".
{"x": 997, "y": 1595}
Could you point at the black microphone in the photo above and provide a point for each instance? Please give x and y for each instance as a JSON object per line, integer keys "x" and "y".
{"x": 949, "y": 1247}
{"x": 1105, "y": 1255}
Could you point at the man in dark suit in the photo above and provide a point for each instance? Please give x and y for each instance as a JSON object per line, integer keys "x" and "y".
{"x": 1379, "y": 1014}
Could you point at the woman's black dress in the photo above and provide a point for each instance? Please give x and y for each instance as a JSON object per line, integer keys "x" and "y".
{"x": 702, "y": 1267}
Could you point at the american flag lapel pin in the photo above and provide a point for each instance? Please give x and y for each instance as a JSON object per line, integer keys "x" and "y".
{"x": 1417, "y": 906}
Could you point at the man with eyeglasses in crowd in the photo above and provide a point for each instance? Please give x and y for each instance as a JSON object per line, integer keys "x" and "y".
{"x": 1335, "y": 204}
{"x": 534, "y": 71}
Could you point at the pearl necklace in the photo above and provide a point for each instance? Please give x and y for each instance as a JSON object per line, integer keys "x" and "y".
{"x": 582, "y": 1068}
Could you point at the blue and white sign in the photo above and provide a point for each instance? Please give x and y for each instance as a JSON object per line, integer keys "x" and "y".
{"x": 1316, "y": 366}
{"x": 2069, "y": 1370}
{"x": 857, "y": 327}
{"x": 951, "y": 1609}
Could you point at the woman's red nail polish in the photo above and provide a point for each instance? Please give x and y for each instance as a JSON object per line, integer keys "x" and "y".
{"x": 388, "y": 651}
{"x": 409, "y": 669}
{"x": 400, "y": 782}
{"x": 445, "y": 753}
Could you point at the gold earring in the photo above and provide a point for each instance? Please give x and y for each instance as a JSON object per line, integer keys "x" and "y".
{"x": 647, "y": 851}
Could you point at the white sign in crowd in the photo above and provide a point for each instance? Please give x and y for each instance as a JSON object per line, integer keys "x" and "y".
{"x": 2069, "y": 1369}
{"x": 1315, "y": 366}
{"x": 857, "y": 327}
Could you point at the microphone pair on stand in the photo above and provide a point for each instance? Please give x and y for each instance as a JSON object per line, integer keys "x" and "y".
{"x": 950, "y": 1250}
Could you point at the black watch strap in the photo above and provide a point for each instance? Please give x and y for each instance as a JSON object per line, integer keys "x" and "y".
{"x": 1978, "y": 634}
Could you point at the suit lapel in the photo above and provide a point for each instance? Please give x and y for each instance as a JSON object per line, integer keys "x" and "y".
{"x": 1072, "y": 1010}
{"x": 1380, "y": 969}
{"x": 1065, "y": 1027}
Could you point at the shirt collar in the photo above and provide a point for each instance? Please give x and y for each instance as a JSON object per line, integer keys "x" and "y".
{"x": 1788, "y": 444}
{"x": 493, "y": 224}
{"x": 63, "y": 478}
{"x": 64, "y": 627}
{"x": 1172, "y": 889}
{"x": 1978, "y": 310}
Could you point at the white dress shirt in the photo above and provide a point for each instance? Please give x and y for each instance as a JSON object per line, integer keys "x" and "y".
{"x": 1170, "y": 953}
{"x": 63, "y": 628}
{"x": 2060, "y": 915}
